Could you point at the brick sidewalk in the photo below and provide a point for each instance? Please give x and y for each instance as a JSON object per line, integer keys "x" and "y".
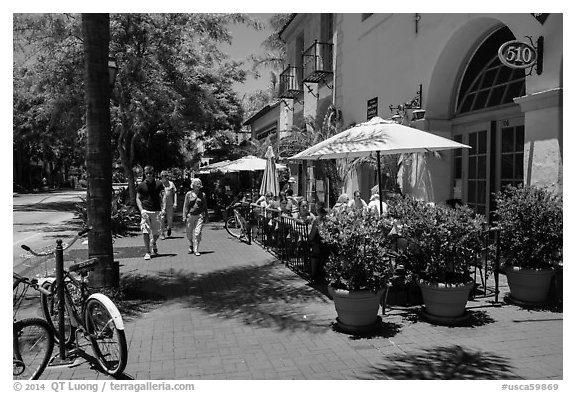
{"x": 235, "y": 312}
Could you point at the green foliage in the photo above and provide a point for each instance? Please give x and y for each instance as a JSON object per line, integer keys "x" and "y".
{"x": 124, "y": 218}
{"x": 442, "y": 242}
{"x": 359, "y": 245}
{"x": 174, "y": 86}
{"x": 530, "y": 219}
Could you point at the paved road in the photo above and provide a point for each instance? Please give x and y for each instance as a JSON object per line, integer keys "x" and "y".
{"x": 38, "y": 219}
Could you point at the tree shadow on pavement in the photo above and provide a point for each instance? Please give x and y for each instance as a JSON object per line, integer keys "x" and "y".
{"x": 445, "y": 363}
{"x": 267, "y": 296}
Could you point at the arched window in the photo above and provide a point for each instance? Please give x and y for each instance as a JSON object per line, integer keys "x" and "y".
{"x": 487, "y": 82}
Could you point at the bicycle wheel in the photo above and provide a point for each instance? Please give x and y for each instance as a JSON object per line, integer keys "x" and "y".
{"x": 32, "y": 345}
{"x": 108, "y": 342}
{"x": 50, "y": 311}
{"x": 233, "y": 227}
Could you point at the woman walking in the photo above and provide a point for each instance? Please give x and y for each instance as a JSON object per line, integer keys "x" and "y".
{"x": 195, "y": 214}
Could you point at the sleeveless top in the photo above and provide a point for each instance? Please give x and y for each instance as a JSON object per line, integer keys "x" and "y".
{"x": 195, "y": 204}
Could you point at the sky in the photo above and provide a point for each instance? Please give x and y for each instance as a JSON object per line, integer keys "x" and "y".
{"x": 247, "y": 41}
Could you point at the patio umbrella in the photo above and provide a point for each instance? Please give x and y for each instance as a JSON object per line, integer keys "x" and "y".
{"x": 270, "y": 177}
{"x": 248, "y": 163}
{"x": 211, "y": 168}
{"x": 380, "y": 136}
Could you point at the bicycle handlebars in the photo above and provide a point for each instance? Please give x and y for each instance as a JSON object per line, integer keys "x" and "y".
{"x": 31, "y": 282}
{"x": 43, "y": 254}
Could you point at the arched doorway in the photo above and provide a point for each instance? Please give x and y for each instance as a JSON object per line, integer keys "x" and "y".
{"x": 486, "y": 118}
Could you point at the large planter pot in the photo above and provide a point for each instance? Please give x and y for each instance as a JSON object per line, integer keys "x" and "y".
{"x": 445, "y": 303}
{"x": 357, "y": 310}
{"x": 528, "y": 286}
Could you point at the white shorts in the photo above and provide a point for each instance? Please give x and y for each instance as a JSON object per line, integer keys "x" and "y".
{"x": 150, "y": 223}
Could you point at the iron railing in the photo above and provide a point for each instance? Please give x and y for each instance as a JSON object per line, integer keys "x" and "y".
{"x": 290, "y": 82}
{"x": 285, "y": 236}
{"x": 317, "y": 62}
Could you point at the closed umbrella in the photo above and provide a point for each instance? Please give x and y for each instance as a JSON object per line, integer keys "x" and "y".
{"x": 270, "y": 177}
{"x": 380, "y": 136}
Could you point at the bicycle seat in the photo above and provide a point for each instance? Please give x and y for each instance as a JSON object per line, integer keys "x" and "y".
{"x": 84, "y": 266}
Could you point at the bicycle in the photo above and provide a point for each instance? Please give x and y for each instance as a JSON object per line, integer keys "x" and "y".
{"x": 32, "y": 342}
{"x": 93, "y": 315}
{"x": 236, "y": 225}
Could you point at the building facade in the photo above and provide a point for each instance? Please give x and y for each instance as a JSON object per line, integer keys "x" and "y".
{"x": 441, "y": 73}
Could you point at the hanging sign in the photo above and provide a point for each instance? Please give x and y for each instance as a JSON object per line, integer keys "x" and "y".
{"x": 517, "y": 54}
{"x": 372, "y": 108}
{"x": 541, "y": 17}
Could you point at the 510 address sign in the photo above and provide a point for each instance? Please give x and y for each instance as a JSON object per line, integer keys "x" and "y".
{"x": 517, "y": 54}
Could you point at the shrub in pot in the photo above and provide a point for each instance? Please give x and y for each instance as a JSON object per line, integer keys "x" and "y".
{"x": 531, "y": 227}
{"x": 358, "y": 267}
{"x": 443, "y": 243}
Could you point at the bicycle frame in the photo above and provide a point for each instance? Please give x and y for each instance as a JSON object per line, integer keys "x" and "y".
{"x": 241, "y": 222}
{"x": 77, "y": 308}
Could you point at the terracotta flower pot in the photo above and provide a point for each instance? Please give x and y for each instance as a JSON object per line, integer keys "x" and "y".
{"x": 357, "y": 310}
{"x": 529, "y": 285}
{"x": 445, "y": 301}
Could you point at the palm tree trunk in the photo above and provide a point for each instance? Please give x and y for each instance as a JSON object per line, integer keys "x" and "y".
{"x": 96, "y": 35}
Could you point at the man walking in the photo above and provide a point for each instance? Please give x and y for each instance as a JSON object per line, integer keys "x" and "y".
{"x": 149, "y": 198}
{"x": 170, "y": 201}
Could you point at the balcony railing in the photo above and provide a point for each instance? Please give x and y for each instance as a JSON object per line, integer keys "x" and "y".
{"x": 290, "y": 82}
{"x": 317, "y": 61}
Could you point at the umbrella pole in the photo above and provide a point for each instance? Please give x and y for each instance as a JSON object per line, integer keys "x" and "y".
{"x": 379, "y": 179}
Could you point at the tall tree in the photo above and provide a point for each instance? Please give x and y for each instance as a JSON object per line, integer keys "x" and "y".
{"x": 175, "y": 84}
{"x": 96, "y": 36}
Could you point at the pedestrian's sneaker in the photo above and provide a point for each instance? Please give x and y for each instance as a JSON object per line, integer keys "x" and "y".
{"x": 163, "y": 237}
{"x": 197, "y": 253}
{"x": 155, "y": 251}
{"x": 147, "y": 257}
{"x": 169, "y": 232}
{"x": 190, "y": 250}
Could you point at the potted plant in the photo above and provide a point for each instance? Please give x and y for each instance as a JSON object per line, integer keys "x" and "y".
{"x": 442, "y": 245}
{"x": 530, "y": 222}
{"x": 358, "y": 266}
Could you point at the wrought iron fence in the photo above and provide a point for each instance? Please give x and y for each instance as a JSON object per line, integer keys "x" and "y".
{"x": 285, "y": 236}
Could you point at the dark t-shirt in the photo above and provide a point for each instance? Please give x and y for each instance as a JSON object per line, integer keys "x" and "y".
{"x": 151, "y": 195}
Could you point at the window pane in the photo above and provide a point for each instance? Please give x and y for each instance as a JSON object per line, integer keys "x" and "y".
{"x": 472, "y": 141}
{"x": 514, "y": 90}
{"x": 472, "y": 191}
{"x": 504, "y": 75}
{"x": 489, "y": 78}
{"x": 482, "y": 167}
{"x": 467, "y": 105}
{"x": 507, "y": 140}
{"x": 519, "y": 139}
{"x": 458, "y": 168}
{"x": 519, "y": 166}
{"x": 480, "y": 102}
{"x": 496, "y": 96}
{"x": 507, "y": 166}
{"x": 472, "y": 168}
{"x": 482, "y": 141}
{"x": 481, "y": 192}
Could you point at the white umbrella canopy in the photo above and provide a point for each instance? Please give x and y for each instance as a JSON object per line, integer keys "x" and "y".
{"x": 380, "y": 136}
{"x": 211, "y": 168}
{"x": 248, "y": 163}
{"x": 376, "y": 135}
{"x": 270, "y": 178}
